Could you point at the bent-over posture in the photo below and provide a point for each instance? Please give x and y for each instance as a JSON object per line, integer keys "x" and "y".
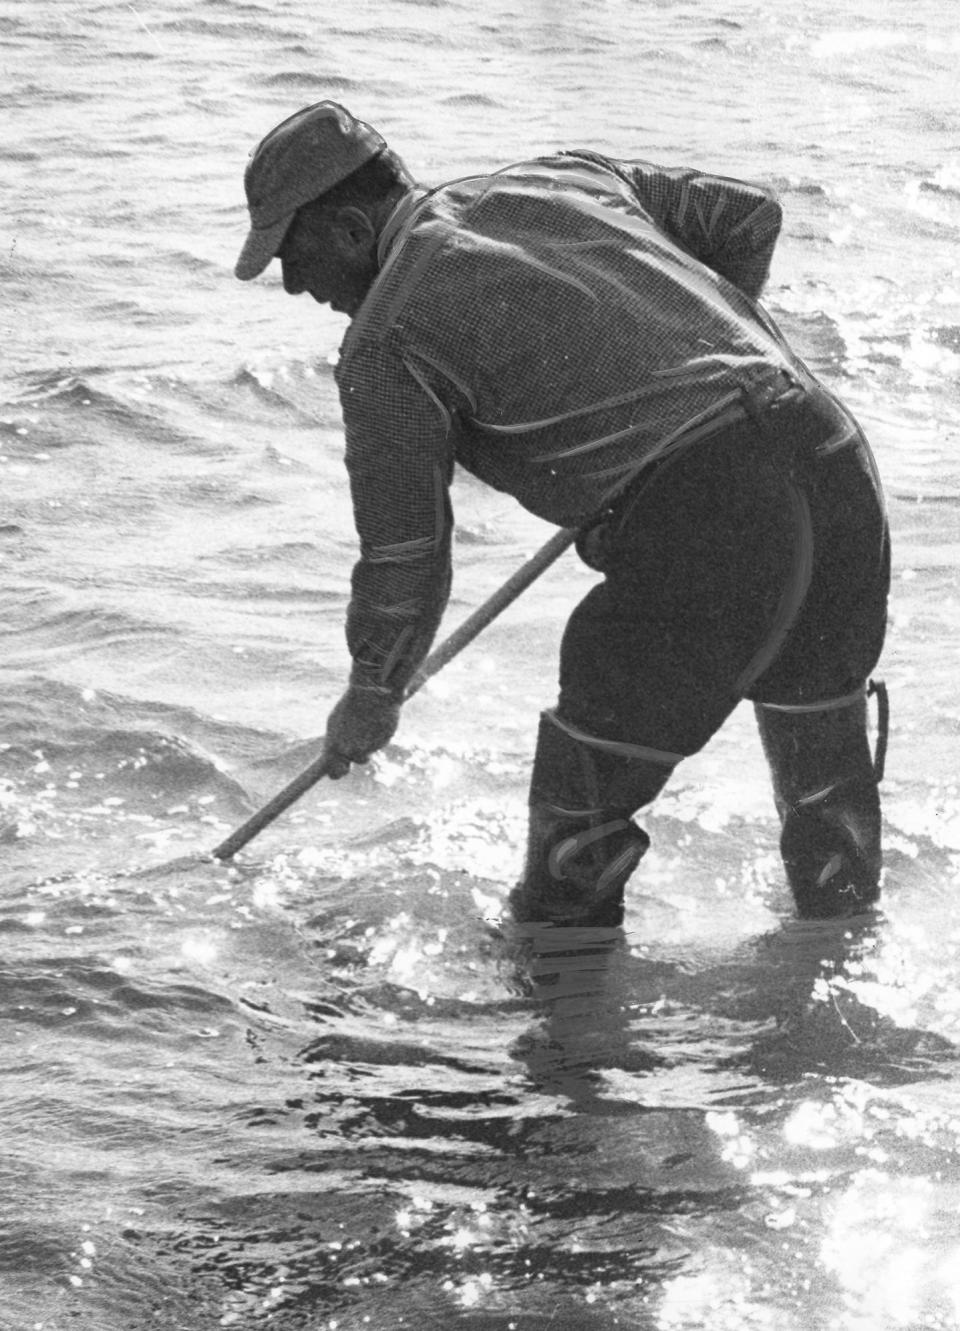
{"x": 585, "y": 334}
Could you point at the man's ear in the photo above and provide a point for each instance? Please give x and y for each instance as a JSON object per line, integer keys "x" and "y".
{"x": 354, "y": 233}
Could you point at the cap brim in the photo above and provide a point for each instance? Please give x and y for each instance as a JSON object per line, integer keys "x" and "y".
{"x": 260, "y": 247}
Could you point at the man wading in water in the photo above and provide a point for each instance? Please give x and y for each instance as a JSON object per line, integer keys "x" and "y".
{"x": 583, "y": 333}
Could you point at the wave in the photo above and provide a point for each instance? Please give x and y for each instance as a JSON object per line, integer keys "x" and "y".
{"x": 75, "y": 757}
{"x": 37, "y": 706}
{"x": 71, "y": 388}
{"x": 241, "y": 6}
{"x": 54, "y": 409}
{"x": 402, "y": 36}
{"x": 32, "y": 95}
{"x": 191, "y": 263}
{"x": 36, "y": 628}
{"x": 198, "y": 27}
{"x": 130, "y": 313}
{"x": 948, "y": 335}
{"x": 145, "y": 765}
{"x": 471, "y": 99}
{"x": 299, "y": 78}
{"x": 55, "y": 391}
{"x": 481, "y": 535}
{"x": 98, "y": 998}
{"x": 276, "y": 390}
{"x": 932, "y": 202}
{"x": 945, "y": 181}
{"x": 807, "y": 187}
{"x": 142, "y": 402}
{"x": 816, "y": 336}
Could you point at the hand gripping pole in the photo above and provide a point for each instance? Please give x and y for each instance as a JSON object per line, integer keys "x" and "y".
{"x": 465, "y": 633}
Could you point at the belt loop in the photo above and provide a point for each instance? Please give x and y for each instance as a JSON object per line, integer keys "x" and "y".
{"x": 753, "y": 409}
{"x": 757, "y": 399}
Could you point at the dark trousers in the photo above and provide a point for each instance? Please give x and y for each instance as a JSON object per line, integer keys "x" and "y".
{"x": 753, "y": 565}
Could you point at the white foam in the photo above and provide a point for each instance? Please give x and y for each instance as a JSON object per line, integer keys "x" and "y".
{"x": 852, "y": 41}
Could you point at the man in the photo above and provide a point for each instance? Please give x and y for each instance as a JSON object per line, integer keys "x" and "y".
{"x": 584, "y": 333}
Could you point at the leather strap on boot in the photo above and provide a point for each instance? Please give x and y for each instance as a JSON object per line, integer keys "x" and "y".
{"x": 583, "y": 846}
{"x": 577, "y": 870}
{"x": 826, "y": 788}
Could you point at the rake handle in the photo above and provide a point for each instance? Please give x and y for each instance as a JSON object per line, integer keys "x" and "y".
{"x": 463, "y": 634}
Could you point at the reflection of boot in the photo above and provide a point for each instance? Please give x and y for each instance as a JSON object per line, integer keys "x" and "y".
{"x": 576, "y": 869}
{"x": 583, "y": 845}
{"x": 829, "y": 804}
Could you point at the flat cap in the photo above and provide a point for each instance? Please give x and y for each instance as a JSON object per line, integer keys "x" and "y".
{"x": 300, "y": 159}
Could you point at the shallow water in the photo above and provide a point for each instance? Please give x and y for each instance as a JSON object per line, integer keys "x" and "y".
{"x": 313, "y": 1090}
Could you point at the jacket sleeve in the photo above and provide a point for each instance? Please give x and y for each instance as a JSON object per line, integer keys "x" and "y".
{"x": 729, "y": 225}
{"x": 399, "y": 457}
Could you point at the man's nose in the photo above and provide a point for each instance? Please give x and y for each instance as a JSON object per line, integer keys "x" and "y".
{"x": 293, "y": 283}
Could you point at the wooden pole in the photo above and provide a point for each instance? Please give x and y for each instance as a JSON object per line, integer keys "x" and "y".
{"x": 465, "y": 633}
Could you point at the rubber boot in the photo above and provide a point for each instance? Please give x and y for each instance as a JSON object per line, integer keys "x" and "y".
{"x": 582, "y": 843}
{"x": 576, "y": 869}
{"x": 827, "y": 796}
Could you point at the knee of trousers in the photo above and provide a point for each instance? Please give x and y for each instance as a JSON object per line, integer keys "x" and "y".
{"x": 582, "y": 775}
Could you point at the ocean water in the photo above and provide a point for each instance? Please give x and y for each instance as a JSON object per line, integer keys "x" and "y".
{"x": 308, "y": 1090}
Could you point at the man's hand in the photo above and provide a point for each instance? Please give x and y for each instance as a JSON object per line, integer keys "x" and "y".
{"x": 363, "y": 721}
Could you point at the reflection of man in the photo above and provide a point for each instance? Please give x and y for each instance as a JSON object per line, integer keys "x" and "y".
{"x": 583, "y": 333}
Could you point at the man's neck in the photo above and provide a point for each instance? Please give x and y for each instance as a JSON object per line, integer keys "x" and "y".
{"x": 397, "y": 207}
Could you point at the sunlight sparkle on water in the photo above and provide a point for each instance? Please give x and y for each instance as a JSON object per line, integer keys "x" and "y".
{"x": 411, "y": 1217}
{"x": 879, "y": 1249}
{"x": 401, "y": 949}
{"x": 202, "y": 950}
{"x": 738, "y": 1149}
{"x": 388, "y": 773}
{"x": 470, "y": 1293}
{"x": 816, "y": 1126}
{"x": 717, "y": 1299}
{"x": 266, "y": 894}
{"x": 844, "y": 42}
{"x": 482, "y": 838}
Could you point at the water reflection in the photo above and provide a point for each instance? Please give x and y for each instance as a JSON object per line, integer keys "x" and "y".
{"x": 780, "y": 1007}
{"x": 579, "y": 982}
{"x": 808, "y": 1152}
{"x": 596, "y": 1133}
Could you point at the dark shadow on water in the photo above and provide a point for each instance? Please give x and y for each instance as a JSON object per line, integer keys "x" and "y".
{"x": 429, "y": 1172}
{"x": 781, "y": 1003}
{"x": 821, "y": 1026}
{"x": 579, "y": 983}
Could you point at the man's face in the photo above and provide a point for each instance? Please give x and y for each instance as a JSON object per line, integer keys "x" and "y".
{"x": 332, "y": 256}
